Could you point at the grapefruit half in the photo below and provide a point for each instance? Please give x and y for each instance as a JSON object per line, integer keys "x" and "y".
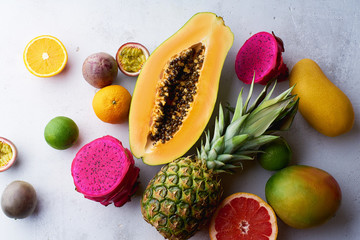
{"x": 243, "y": 216}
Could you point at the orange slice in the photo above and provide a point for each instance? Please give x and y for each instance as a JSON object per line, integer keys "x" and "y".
{"x": 45, "y": 56}
{"x": 243, "y": 216}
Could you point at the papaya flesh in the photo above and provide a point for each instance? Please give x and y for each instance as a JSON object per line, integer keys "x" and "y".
{"x": 176, "y": 90}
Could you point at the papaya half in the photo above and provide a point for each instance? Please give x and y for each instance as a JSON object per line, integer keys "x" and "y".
{"x": 176, "y": 90}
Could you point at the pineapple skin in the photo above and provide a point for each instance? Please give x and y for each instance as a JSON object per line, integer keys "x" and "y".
{"x": 181, "y": 197}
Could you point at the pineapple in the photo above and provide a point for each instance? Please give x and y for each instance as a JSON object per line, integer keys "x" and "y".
{"x": 184, "y": 193}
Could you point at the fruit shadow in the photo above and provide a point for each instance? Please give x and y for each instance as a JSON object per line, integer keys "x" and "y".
{"x": 39, "y": 204}
{"x": 79, "y": 142}
{"x": 66, "y": 69}
{"x": 37, "y": 210}
{"x": 354, "y": 133}
{"x": 340, "y": 223}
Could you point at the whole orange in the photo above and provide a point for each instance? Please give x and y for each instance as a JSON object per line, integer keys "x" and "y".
{"x": 111, "y": 104}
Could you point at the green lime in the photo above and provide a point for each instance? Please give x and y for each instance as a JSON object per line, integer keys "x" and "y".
{"x": 275, "y": 155}
{"x": 61, "y": 132}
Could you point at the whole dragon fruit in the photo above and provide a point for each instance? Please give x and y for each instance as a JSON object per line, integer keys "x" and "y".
{"x": 104, "y": 171}
{"x": 261, "y": 55}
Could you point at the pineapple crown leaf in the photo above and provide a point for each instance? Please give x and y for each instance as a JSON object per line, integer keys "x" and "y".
{"x": 219, "y": 164}
{"x": 216, "y": 165}
{"x": 258, "y": 122}
{"x": 231, "y": 166}
{"x": 225, "y": 157}
{"x": 207, "y": 141}
{"x": 236, "y": 158}
{"x": 219, "y": 144}
{"x": 238, "y": 139}
{"x": 269, "y": 102}
{"x": 239, "y": 107}
{"x": 203, "y": 154}
{"x": 219, "y": 125}
{"x": 235, "y": 142}
{"x": 229, "y": 158}
{"x": 234, "y": 127}
{"x": 216, "y": 131}
{"x": 284, "y": 120}
{"x": 258, "y": 141}
{"x": 263, "y": 96}
{"x": 212, "y": 155}
{"x": 250, "y": 153}
{"x": 221, "y": 122}
{"x": 198, "y": 154}
{"x": 248, "y": 97}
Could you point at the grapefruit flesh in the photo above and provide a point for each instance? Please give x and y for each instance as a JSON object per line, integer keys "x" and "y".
{"x": 243, "y": 216}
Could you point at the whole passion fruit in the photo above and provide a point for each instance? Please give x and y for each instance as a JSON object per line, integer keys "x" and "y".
{"x": 8, "y": 154}
{"x": 303, "y": 196}
{"x": 100, "y": 69}
{"x": 131, "y": 57}
{"x": 18, "y": 200}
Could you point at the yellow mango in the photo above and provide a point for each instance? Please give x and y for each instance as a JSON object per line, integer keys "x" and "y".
{"x": 324, "y": 106}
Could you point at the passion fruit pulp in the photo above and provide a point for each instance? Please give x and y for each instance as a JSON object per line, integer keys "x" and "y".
{"x": 131, "y": 57}
{"x": 8, "y": 154}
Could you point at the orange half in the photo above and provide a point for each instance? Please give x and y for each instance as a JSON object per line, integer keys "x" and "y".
{"x": 243, "y": 216}
{"x": 45, "y": 56}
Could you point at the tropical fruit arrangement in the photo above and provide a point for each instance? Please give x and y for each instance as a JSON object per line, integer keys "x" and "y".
{"x": 173, "y": 100}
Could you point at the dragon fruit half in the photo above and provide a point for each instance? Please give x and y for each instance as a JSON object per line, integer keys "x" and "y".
{"x": 104, "y": 171}
{"x": 261, "y": 55}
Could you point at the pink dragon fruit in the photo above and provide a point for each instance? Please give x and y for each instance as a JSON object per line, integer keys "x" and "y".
{"x": 104, "y": 171}
{"x": 261, "y": 55}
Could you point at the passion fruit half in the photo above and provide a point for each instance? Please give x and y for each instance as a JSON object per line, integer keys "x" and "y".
{"x": 8, "y": 154}
{"x": 131, "y": 57}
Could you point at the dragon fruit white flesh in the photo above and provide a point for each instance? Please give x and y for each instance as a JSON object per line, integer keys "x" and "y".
{"x": 261, "y": 55}
{"x": 104, "y": 171}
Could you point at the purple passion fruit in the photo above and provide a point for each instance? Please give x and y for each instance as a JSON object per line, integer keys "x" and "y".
{"x": 100, "y": 69}
{"x": 18, "y": 200}
{"x": 131, "y": 57}
{"x": 303, "y": 196}
{"x": 8, "y": 154}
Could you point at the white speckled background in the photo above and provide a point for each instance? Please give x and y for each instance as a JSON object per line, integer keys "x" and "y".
{"x": 326, "y": 31}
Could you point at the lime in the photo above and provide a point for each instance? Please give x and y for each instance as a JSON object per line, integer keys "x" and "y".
{"x": 275, "y": 155}
{"x": 61, "y": 132}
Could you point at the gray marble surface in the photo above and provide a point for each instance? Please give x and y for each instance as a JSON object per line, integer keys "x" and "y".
{"x": 325, "y": 31}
